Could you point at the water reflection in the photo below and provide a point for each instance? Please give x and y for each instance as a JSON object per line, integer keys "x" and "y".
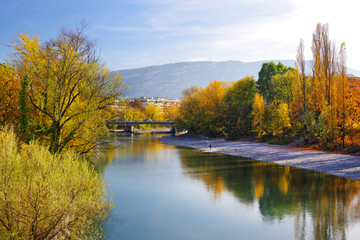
{"x": 139, "y": 148}
{"x": 323, "y": 206}
{"x": 163, "y": 192}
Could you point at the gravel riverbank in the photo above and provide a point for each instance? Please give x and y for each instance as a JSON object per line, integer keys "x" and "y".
{"x": 336, "y": 164}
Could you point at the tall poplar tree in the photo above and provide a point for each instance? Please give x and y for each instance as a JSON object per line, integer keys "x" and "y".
{"x": 343, "y": 90}
{"x": 301, "y": 88}
{"x": 323, "y": 81}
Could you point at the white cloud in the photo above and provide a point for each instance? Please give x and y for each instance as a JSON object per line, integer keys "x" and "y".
{"x": 246, "y": 30}
{"x": 341, "y": 16}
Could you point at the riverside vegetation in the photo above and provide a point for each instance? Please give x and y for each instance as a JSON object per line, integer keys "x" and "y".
{"x": 284, "y": 103}
{"x": 55, "y": 100}
{"x": 48, "y": 196}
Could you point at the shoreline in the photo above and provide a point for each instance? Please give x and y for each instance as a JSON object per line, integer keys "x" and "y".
{"x": 340, "y": 165}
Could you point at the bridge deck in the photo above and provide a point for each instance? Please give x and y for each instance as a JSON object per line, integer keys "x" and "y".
{"x": 131, "y": 123}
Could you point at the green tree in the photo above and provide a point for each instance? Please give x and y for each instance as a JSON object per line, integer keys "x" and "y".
{"x": 267, "y": 71}
{"x": 281, "y": 87}
{"x": 46, "y": 196}
{"x": 237, "y": 105}
{"x": 70, "y": 91}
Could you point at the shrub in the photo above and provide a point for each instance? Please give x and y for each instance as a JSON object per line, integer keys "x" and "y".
{"x": 45, "y": 196}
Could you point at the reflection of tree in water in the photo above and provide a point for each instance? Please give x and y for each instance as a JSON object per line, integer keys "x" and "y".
{"x": 138, "y": 148}
{"x": 322, "y": 205}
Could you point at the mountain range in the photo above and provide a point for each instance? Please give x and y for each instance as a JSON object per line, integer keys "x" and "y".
{"x": 169, "y": 80}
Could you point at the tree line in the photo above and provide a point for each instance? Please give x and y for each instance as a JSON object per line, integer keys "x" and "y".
{"x": 56, "y": 97}
{"x": 136, "y": 111}
{"x": 316, "y": 100}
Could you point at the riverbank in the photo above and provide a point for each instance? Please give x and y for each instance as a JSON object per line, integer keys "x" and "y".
{"x": 336, "y": 164}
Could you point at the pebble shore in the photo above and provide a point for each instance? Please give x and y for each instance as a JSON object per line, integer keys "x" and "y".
{"x": 336, "y": 164}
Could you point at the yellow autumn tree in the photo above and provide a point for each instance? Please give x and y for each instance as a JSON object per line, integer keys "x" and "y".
{"x": 70, "y": 91}
{"x": 323, "y": 90}
{"x": 258, "y": 114}
{"x": 321, "y": 109}
{"x": 187, "y": 114}
{"x": 170, "y": 112}
{"x": 342, "y": 87}
{"x": 137, "y": 114}
{"x": 210, "y": 109}
{"x": 200, "y": 111}
{"x": 154, "y": 112}
{"x": 278, "y": 119}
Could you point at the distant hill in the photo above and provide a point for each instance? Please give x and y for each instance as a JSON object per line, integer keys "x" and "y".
{"x": 170, "y": 80}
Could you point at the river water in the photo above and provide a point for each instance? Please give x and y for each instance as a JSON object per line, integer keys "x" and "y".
{"x": 167, "y": 193}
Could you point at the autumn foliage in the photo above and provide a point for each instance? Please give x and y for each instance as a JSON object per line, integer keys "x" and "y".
{"x": 321, "y": 107}
{"x": 201, "y": 109}
{"x": 68, "y": 92}
{"x": 46, "y": 196}
{"x": 57, "y": 98}
{"x": 9, "y": 97}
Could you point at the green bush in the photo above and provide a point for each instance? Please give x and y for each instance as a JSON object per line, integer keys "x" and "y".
{"x": 45, "y": 196}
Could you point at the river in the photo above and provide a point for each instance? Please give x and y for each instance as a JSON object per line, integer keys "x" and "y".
{"x": 165, "y": 192}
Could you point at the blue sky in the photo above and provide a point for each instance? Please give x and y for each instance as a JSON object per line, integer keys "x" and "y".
{"x": 138, "y": 33}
